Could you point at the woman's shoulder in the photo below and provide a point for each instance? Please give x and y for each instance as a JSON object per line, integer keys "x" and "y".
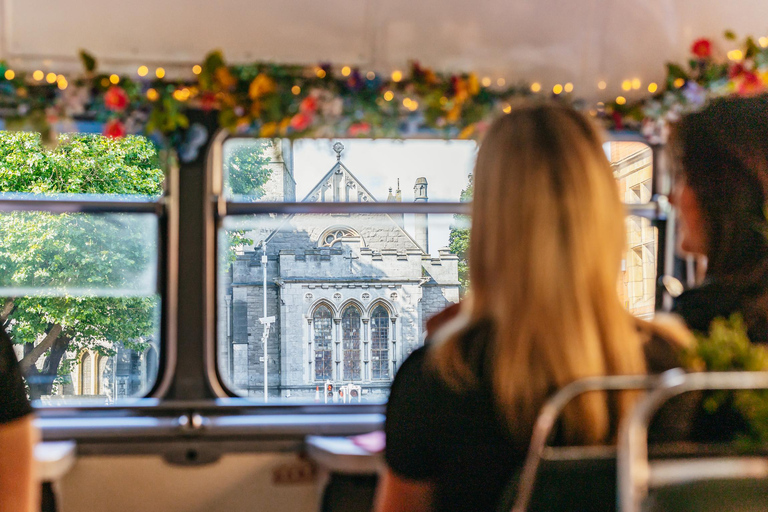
{"x": 664, "y": 338}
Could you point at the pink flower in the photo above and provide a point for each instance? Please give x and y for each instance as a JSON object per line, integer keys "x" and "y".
{"x": 114, "y": 128}
{"x": 702, "y": 48}
{"x": 301, "y": 121}
{"x": 358, "y": 129}
{"x": 116, "y": 99}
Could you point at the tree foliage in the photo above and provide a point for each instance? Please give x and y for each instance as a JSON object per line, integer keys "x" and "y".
{"x": 458, "y": 239}
{"x": 246, "y": 168}
{"x": 77, "y": 280}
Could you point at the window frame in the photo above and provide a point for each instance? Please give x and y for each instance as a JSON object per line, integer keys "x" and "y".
{"x": 163, "y": 209}
{"x": 190, "y": 397}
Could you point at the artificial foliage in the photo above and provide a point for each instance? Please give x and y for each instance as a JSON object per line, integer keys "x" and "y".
{"x": 93, "y": 274}
{"x": 270, "y": 100}
{"x": 726, "y": 347}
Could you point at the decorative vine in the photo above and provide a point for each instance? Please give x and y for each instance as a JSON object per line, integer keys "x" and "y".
{"x": 271, "y": 100}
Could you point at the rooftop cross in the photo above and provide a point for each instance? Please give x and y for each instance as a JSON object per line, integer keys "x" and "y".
{"x": 338, "y": 148}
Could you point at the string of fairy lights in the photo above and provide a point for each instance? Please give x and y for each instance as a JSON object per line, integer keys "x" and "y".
{"x": 349, "y": 100}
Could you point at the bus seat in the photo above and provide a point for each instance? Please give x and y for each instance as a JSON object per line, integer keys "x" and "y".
{"x": 568, "y": 478}
{"x": 709, "y": 482}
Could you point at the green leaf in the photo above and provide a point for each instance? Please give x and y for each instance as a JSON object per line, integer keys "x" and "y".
{"x": 88, "y": 60}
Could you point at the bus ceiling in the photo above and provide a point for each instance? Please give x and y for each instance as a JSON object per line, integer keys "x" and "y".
{"x": 549, "y": 42}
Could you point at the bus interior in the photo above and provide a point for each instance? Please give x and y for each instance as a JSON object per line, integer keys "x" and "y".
{"x": 255, "y": 259}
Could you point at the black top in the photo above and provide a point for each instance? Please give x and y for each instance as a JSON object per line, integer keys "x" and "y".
{"x": 458, "y": 440}
{"x": 13, "y": 397}
{"x": 699, "y": 306}
{"x": 453, "y": 439}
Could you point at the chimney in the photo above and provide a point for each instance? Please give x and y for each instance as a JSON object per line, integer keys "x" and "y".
{"x": 422, "y": 230}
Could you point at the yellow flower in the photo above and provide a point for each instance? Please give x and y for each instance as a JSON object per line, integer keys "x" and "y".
{"x": 453, "y": 115}
{"x": 467, "y": 132}
{"x": 260, "y": 86}
{"x": 268, "y": 130}
{"x": 473, "y": 84}
{"x": 764, "y": 77}
{"x": 284, "y": 124}
{"x": 225, "y": 78}
{"x": 256, "y": 109}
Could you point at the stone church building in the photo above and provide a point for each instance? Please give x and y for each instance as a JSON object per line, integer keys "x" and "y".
{"x": 349, "y": 293}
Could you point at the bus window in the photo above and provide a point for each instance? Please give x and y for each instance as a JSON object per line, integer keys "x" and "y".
{"x": 632, "y": 164}
{"x": 79, "y": 252}
{"x": 364, "y": 240}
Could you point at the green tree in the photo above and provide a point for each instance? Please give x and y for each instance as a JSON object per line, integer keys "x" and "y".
{"x": 246, "y": 165}
{"x": 458, "y": 239}
{"x": 246, "y": 169}
{"x": 77, "y": 281}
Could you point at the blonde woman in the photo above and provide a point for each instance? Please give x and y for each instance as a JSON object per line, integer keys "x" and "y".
{"x": 547, "y": 241}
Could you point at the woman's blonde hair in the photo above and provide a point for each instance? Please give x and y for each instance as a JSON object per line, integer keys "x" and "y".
{"x": 547, "y": 239}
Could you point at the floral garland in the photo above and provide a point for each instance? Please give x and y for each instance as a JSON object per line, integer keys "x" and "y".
{"x": 709, "y": 74}
{"x": 271, "y": 100}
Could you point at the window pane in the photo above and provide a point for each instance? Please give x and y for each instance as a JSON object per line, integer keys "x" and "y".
{"x": 363, "y": 170}
{"x": 632, "y": 164}
{"x": 322, "y": 326}
{"x": 46, "y": 254}
{"x": 350, "y": 323}
{"x": 348, "y": 312}
{"x": 79, "y": 291}
{"x": 637, "y": 287}
{"x": 80, "y": 164}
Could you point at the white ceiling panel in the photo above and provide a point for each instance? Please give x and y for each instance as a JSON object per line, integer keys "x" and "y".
{"x": 550, "y": 41}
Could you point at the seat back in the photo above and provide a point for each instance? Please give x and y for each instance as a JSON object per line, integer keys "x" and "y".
{"x": 706, "y": 483}
{"x": 568, "y": 478}
{"x": 582, "y": 479}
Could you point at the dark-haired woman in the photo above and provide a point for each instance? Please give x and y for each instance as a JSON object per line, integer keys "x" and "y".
{"x": 721, "y": 193}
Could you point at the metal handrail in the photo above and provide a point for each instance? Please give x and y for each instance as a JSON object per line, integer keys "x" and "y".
{"x": 551, "y": 410}
{"x": 658, "y": 209}
{"x": 89, "y": 205}
{"x": 634, "y": 471}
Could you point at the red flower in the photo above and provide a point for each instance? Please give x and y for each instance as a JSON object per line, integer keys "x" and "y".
{"x": 702, "y": 48}
{"x": 114, "y": 128}
{"x": 308, "y": 104}
{"x": 301, "y": 121}
{"x": 208, "y": 101}
{"x": 618, "y": 122}
{"x": 359, "y": 129}
{"x": 116, "y": 99}
{"x": 750, "y": 84}
{"x": 737, "y": 70}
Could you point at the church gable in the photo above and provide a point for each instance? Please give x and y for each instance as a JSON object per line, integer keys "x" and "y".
{"x": 339, "y": 185}
{"x": 308, "y": 232}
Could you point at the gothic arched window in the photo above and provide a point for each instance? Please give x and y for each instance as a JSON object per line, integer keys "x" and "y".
{"x": 334, "y": 235}
{"x": 350, "y": 325}
{"x": 380, "y": 343}
{"x": 323, "y": 324}
{"x": 102, "y": 375}
{"x": 87, "y": 372}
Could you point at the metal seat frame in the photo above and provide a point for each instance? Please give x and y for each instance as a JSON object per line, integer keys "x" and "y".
{"x": 636, "y": 475}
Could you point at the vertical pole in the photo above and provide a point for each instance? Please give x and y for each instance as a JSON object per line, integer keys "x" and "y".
{"x": 264, "y": 267}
